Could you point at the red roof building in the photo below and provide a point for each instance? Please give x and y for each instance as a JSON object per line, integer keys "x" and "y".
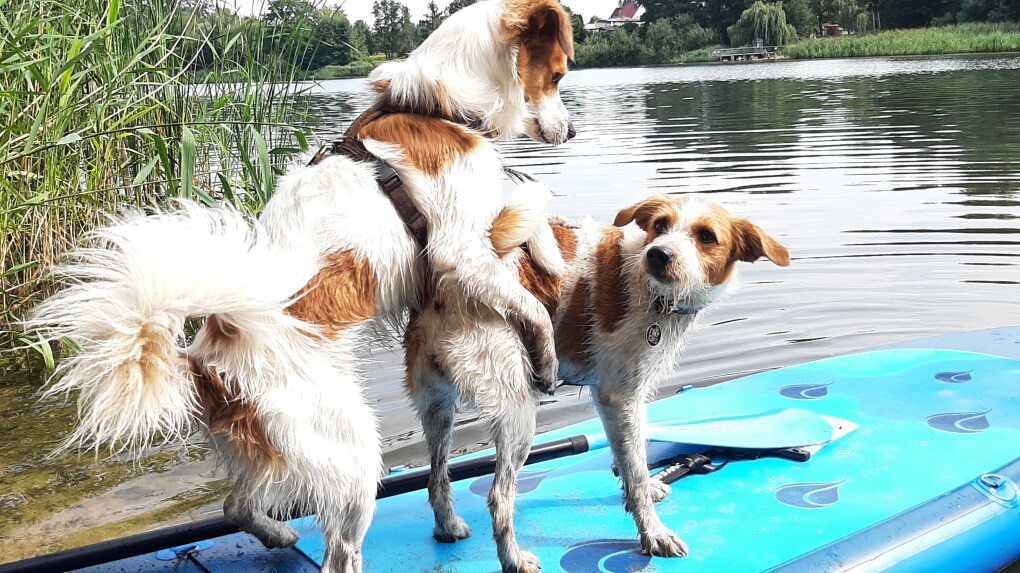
{"x": 627, "y": 12}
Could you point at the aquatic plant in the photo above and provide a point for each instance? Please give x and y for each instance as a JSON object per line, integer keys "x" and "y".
{"x": 963, "y": 38}
{"x": 101, "y": 110}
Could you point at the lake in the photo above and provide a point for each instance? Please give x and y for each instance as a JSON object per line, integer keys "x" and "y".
{"x": 894, "y": 182}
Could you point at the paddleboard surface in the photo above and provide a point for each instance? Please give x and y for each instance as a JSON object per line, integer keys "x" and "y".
{"x": 926, "y": 483}
{"x": 886, "y": 496}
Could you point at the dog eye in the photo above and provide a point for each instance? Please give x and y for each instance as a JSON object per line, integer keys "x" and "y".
{"x": 706, "y": 237}
{"x": 556, "y": 77}
{"x": 661, "y": 227}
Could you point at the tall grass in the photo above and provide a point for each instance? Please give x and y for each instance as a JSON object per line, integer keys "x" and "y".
{"x": 964, "y": 38}
{"x": 96, "y": 115}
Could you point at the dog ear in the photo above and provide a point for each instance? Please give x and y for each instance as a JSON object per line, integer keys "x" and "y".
{"x": 751, "y": 243}
{"x": 538, "y": 20}
{"x": 643, "y": 212}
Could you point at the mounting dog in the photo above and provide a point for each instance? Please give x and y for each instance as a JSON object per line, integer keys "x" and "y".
{"x": 623, "y": 305}
{"x": 274, "y": 373}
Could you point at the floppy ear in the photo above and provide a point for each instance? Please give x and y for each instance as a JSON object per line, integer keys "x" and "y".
{"x": 540, "y": 21}
{"x": 751, "y": 243}
{"x": 643, "y": 212}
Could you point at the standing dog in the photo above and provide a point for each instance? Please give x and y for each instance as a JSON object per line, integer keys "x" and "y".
{"x": 273, "y": 375}
{"x": 623, "y": 307}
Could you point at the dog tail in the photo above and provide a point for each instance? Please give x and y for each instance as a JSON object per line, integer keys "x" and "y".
{"x": 525, "y": 220}
{"x": 124, "y": 302}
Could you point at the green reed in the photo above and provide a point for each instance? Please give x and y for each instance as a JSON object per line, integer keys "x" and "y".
{"x": 102, "y": 108}
{"x": 960, "y": 39}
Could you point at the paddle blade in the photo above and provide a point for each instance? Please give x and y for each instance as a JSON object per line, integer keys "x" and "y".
{"x": 771, "y": 429}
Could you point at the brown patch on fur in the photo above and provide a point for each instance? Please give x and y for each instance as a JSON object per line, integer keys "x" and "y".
{"x": 610, "y": 290}
{"x": 648, "y": 213}
{"x": 544, "y": 285}
{"x": 538, "y": 21}
{"x": 575, "y": 327}
{"x": 380, "y": 85}
{"x": 231, "y": 418}
{"x": 218, "y": 332}
{"x": 429, "y": 144}
{"x": 509, "y": 231}
{"x": 412, "y": 347}
{"x": 567, "y": 240}
{"x": 736, "y": 240}
{"x": 546, "y": 43}
{"x": 340, "y": 295}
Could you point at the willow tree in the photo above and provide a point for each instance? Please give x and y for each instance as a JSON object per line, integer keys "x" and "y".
{"x": 762, "y": 21}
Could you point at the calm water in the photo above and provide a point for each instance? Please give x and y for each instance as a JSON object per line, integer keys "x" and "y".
{"x": 895, "y": 183}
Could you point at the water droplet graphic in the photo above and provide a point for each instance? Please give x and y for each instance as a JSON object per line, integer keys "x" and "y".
{"x": 960, "y": 422}
{"x": 527, "y": 481}
{"x": 809, "y": 495}
{"x": 805, "y": 391}
{"x": 953, "y": 377}
{"x": 604, "y": 556}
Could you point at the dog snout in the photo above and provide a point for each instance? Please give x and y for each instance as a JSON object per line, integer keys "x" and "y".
{"x": 658, "y": 260}
{"x": 570, "y": 131}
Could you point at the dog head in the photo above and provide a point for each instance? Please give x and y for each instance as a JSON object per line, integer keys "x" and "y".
{"x": 542, "y": 34}
{"x": 691, "y": 247}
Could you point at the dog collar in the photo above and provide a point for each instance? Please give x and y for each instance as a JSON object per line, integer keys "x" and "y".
{"x": 675, "y": 309}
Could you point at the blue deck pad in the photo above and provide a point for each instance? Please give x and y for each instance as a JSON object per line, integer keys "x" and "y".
{"x": 931, "y": 422}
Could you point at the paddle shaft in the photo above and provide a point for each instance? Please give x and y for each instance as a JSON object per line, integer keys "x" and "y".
{"x": 153, "y": 541}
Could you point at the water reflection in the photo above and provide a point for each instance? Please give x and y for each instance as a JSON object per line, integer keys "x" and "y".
{"x": 894, "y": 182}
{"x": 891, "y": 179}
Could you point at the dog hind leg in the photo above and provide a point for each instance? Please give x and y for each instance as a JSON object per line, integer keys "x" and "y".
{"x": 245, "y": 509}
{"x": 513, "y": 429}
{"x": 436, "y": 400}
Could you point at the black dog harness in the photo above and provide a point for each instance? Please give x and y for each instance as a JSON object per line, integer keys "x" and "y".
{"x": 389, "y": 182}
{"x": 388, "y": 179}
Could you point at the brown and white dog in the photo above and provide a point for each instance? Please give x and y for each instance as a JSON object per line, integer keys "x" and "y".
{"x": 274, "y": 375}
{"x": 622, "y": 307}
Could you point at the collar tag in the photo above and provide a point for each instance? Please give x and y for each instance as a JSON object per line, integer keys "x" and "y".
{"x": 654, "y": 335}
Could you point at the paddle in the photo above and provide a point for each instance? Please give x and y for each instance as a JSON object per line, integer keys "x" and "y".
{"x": 772, "y": 429}
{"x": 769, "y": 430}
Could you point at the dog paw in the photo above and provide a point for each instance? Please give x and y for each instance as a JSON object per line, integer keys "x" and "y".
{"x": 452, "y": 532}
{"x": 659, "y": 490}
{"x": 663, "y": 543}
{"x": 279, "y": 536}
{"x": 524, "y": 563}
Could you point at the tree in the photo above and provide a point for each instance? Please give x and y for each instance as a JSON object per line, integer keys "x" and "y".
{"x": 456, "y": 5}
{"x": 433, "y": 18}
{"x": 766, "y": 22}
{"x": 287, "y": 11}
{"x": 394, "y": 33}
{"x": 363, "y": 38}
{"x": 331, "y": 36}
{"x": 799, "y": 15}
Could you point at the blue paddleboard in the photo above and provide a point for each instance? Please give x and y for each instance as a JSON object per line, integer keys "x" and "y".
{"x": 905, "y": 491}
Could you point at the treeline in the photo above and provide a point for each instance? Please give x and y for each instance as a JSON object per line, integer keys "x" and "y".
{"x": 322, "y": 42}
{"x": 683, "y": 30}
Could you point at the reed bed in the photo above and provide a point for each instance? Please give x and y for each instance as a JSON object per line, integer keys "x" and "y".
{"x": 101, "y": 110}
{"x": 960, "y": 39}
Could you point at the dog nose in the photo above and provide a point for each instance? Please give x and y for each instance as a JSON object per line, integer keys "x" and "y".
{"x": 570, "y": 131}
{"x": 658, "y": 260}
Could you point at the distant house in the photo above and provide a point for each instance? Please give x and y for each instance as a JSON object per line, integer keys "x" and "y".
{"x": 628, "y": 12}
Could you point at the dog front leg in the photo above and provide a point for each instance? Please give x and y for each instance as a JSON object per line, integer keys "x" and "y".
{"x": 622, "y": 409}
{"x": 481, "y": 276}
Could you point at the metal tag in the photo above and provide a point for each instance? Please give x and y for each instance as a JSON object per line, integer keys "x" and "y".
{"x": 654, "y": 335}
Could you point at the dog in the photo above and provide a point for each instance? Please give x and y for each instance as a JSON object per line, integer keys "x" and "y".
{"x": 274, "y": 374}
{"x": 623, "y": 298}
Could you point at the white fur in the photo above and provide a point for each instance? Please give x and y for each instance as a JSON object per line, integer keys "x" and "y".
{"x": 469, "y": 352}
{"x": 153, "y": 273}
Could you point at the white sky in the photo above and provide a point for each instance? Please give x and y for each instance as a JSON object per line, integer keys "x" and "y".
{"x": 362, "y": 9}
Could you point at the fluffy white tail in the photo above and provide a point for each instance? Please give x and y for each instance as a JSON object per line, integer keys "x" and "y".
{"x": 124, "y": 305}
{"x": 525, "y": 220}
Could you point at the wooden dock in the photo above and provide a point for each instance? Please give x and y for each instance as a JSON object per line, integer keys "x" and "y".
{"x": 746, "y": 53}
